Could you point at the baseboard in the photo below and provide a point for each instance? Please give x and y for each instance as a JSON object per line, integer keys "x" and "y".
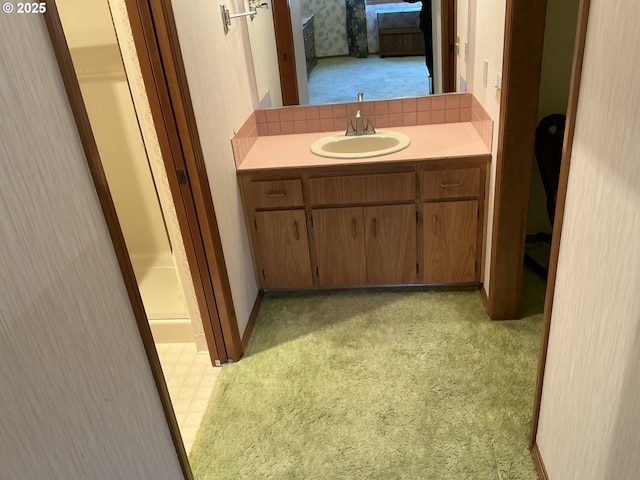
{"x": 539, "y": 463}
{"x": 485, "y": 299}
{"x": 172, "y": 331}
{"x": 252, "y": 320}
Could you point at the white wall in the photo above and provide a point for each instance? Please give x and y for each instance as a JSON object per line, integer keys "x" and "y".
{"x": 70, "y": 350}
{"x": 462, "y": 28}
{"x": 223, "y": 91}
{"x": 265, "y": 56}
{"x": 590, "y": 414}
{"x": 486, "y": 42}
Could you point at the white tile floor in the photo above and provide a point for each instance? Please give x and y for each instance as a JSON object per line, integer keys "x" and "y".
{"x": 190, "y": 378}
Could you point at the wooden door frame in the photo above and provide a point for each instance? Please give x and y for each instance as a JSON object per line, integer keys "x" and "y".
{"x": 567, "y": 149}
{"x": 85, "y": 133}
{"x": 521, "y": 72}
{"x": 448, "y": 38}
{"x": 285, "y": 52}
{"x": 156, "y": 39}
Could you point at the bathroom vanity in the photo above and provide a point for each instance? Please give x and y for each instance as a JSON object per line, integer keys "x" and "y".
{"x": 411, "y": 217}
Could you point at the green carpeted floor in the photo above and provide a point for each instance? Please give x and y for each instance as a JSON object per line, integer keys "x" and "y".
{"x": 377, "y": 385}
{"x": 339, "y": 79}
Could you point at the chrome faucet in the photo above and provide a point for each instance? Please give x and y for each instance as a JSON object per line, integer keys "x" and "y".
{"x": 359, "y": 122}
{"x": 359, "y": 128}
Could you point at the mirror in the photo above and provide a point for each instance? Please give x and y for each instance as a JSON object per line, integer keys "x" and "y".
{"x": 393, "y": 63}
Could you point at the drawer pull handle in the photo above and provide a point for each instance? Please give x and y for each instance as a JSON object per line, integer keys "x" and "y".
{"x": 277, "y": 194}
{"x": 451, "y": 185}
{"x": 353, "y": 227}
{"x": 435, "y": 220}
{"x": 295, "y": 230}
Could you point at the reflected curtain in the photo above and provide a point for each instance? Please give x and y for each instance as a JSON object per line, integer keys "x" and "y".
{"x": 357, "y": 28}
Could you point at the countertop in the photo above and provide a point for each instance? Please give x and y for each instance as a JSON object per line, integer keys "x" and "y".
{"x": 444, "y": 140}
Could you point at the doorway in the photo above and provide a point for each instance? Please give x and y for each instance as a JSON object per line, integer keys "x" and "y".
{"x": 146, "y": 212}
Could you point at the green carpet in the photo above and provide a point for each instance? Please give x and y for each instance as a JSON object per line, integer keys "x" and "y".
{"x": 376, "y": 384}
{"x": 339, "y": 79}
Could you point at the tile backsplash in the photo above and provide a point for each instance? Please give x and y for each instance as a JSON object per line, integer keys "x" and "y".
{"x": 432, "y": 109}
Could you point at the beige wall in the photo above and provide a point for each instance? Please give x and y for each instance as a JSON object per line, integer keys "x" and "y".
{"x": 590, "y": 417}
{"x": 486, "y": 42}
{"x": 462, "y": 33}
{"x": 264, "y": 55}
{"x": 70, "y": 350}
{"x": 93, "y": 44}
{"x": 222, "y": 85}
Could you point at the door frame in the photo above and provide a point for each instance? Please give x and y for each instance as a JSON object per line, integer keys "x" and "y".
{"x": 449, "y": 25}
{"x": 565, "y": 165}
{"x": 156, "y": 41}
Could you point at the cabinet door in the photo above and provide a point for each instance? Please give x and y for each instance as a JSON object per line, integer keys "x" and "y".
{"x": 391, "y": 244}
{"x": 450, "y": 231}
{"x": 284, "y": 249}
{"x": 339, "y": 237}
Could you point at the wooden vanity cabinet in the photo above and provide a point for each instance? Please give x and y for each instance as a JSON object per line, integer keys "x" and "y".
{"x": 451, "y": 215}
{"x": 418, "y": 222}
{"x": 275, "y": 210}
{"x": 340, "y": 246}
{"x": 366, "y": 245}
{"x": 284, "y": 248}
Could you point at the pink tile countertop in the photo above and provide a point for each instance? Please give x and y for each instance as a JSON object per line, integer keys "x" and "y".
{"x": 427, "y": 141}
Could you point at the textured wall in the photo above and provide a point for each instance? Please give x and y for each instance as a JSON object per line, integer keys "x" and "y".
{"x": 265, "y": 56}
{"x": 222, "y": 85}
{"x": 590, "y": 416}
{"x": 486, "y": 42}
{"x": 330, "y": 25}
{"x": 70, "y": 351}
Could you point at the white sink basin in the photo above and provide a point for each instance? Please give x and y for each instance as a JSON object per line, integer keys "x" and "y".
{"x": 362, "y": 146}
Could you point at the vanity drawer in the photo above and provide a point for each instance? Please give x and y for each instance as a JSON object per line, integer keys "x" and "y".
{"x": 274, "y": 193}
{"x": 387, "y": 187}
{"x": 450, "y": 183}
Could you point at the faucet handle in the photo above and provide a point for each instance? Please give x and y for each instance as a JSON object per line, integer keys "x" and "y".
{"x": 370, "y": 130}
{"x": 350, "y": 130}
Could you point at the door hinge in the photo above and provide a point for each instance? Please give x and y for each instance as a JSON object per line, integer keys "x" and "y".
{"x": 183, "y": 178}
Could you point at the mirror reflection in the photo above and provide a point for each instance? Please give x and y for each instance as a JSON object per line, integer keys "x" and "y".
{"x": 384, "y": 48}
